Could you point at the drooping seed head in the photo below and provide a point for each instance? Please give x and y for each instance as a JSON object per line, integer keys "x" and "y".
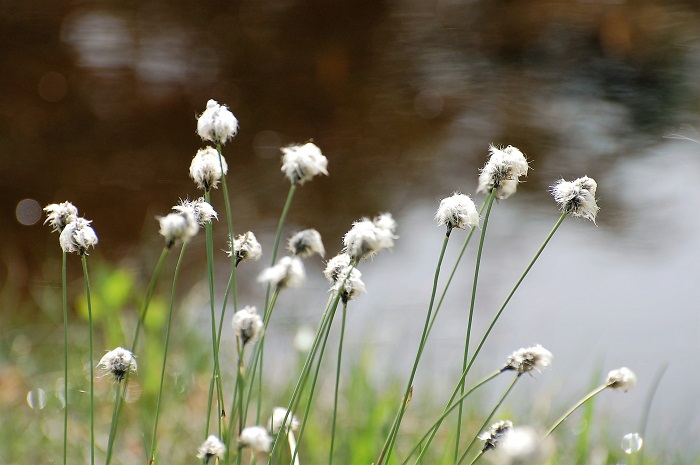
{"x": 532, "y": 358}
{"x": 622, "y": 378}
{"x": 58, "y": 215}
{"x": 247, "y": 325}
{"x": 78, "y": 236}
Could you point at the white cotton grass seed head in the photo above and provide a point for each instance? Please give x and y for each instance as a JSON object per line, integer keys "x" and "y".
{"x": 493, "y": 435}
{"x": 522, "y": 445}
{"x": 58, "y": 215}
{"x": 335, "y": 267}
{"x": 502, "y": 171}
{"x": 256, "y": 438}
{"x": 277, "y": 420}
{"x": 247, "y": 325}
{"x": 245, "y": 247}
{"x": 577, "y": 197}
{"x": 202, "y": 211}
{"x": 457, "y": 211}
{"x": 77, "y": 236}
{"x": 206, "y": 170}
{"x": 300, "y": 163}
{"x": 117, "y": 363}
{"x": 288, "y": 272}
{"x": 217, "y": 124}
{"x": 212, "y": 447}
{"x": 178, "y": 227}
{"x": 367, "y": 237}
{"x": 532, "y": 358}
{"x": 306, "y": 243}
{"x": 622, "y": 378}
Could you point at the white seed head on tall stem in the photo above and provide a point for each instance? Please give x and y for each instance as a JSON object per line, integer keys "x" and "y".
{"x": 277, "y": 421}
{"x": 202, "y": 211}
{"x": 622, "y": 378}
{"x": 502, "y": 171}
{"x": 528, "y": 359}
{"x": 212, "y": 447}
{"x": 522, "y": 445}
{"x": 117, "y": 363}
{"x": 300, "y": 163}
{"x": 255, "y": 438}
{"x": 245, "y": 247}
{"x": 288, "y": 272}
{"x": 247, "y": 325}
{"x": 58, "y": 215}
{"x": 217, "y": 124}
{"x": 178, "y": 227}
{"x": 457, "y": 211}
{"x": 367, "y": 237}
{"x": 341, "y": 275}
{"x": 494, "y": 434}
{"x": 78, "y": 236}
{"x": 306, "y": 243}
{"x": 205, "y": 168}
{"x": 577, "y": 197}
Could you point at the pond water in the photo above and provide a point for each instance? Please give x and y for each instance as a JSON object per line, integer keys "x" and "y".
{"x": 99, "y": 102}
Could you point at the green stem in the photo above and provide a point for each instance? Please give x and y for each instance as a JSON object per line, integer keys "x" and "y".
{"x": 478, "y": 456}
{"x": 389, "y": 443}
{"x": 647, "y": 409}
{"x": 83, "y": 258}
{"x": 229, "y": 221}
{"x": 64, "y": 285}
{"x": 337, "y": 382}
{"x": 488, "y": 419}
{"x": 430, "y": 434}
{"x": 214, "y": 339}
{"x": 477, "y": 266}
{"x": 585, "y": 399}
{"x": 142, "y": 316}
{"x": 165, "y": 355}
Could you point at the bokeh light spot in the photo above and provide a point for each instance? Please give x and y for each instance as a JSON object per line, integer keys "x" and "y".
{"x": 28, "y": 212}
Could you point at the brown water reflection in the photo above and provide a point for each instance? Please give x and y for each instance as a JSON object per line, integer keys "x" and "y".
{"x": 98, "y": 104}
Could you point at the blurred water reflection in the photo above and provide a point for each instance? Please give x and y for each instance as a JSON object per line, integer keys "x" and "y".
{"x": 98, "y": 107}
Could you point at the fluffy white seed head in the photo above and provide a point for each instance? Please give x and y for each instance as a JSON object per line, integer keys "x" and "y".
{"x": 300, "y": 163}
{"x": 178, "y": 227}
{"x": 577, "y": 197}
{"x": 212, "y": 447}
{"x": 202, "y": 211}
{"x": 277, "y": 420}
{"x": 247, "y": 325}
{"x": 622, "y": 378}
{"x": 306, "y": 243}
{"x": 117, "y": 363}
{"x": 344, "y": 278}
{"x": 493, "y": 435}
{"x": 58, "y": 215}
{"x": 457, "y": 211}
{"x": 77, "y": 236}
{"x": 205, "y": 169}
{"x": 245, "y": 247}
{"x": 217, "y": 124}
{"x": 367, "y": 237}
{"x": 502, "y": 171}
{"x": 256, "y": 438}
{"x": 288, "y": 272}
{"x": 522, "y": 445}
{"x": 532, "y": 358}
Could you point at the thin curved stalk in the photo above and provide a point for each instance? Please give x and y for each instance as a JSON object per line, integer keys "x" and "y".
{"x": 83, "y": 259}
{"x": 154, "y": 436}
{"x": 337, "y": 382}
{"x": 647, "y": 409}
{"x": 488, "y": 419}
{"x": 472, "y": 302}
{"x": 568, "y": 413}
{"x": 64, "y": 288}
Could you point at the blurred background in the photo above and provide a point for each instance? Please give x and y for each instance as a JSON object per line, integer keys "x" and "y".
{"x": 98, "y": 106}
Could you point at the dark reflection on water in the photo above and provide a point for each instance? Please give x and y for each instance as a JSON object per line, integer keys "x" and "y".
{"x": 98, "y": 106}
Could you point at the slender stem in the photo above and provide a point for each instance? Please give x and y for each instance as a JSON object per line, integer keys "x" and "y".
{"x": 83, "y": 258}
{"x": 391, "y": 438}
{"x": 488, "y": 419}
{"x": 585, "y": 399}
{"x": 165, "y": 355}
{"x": 214, "y": 343}
{"x": 430, "y": 434}
{"x": 647, "y": 409}
{"x": 478, "y": 456}
{"x": 64, "y": 286}
{"x": 337, "y": 382}
{"x": 125, "y": 382}
{"x": 229, "y": 221}
{"x": 472, "y": 302}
